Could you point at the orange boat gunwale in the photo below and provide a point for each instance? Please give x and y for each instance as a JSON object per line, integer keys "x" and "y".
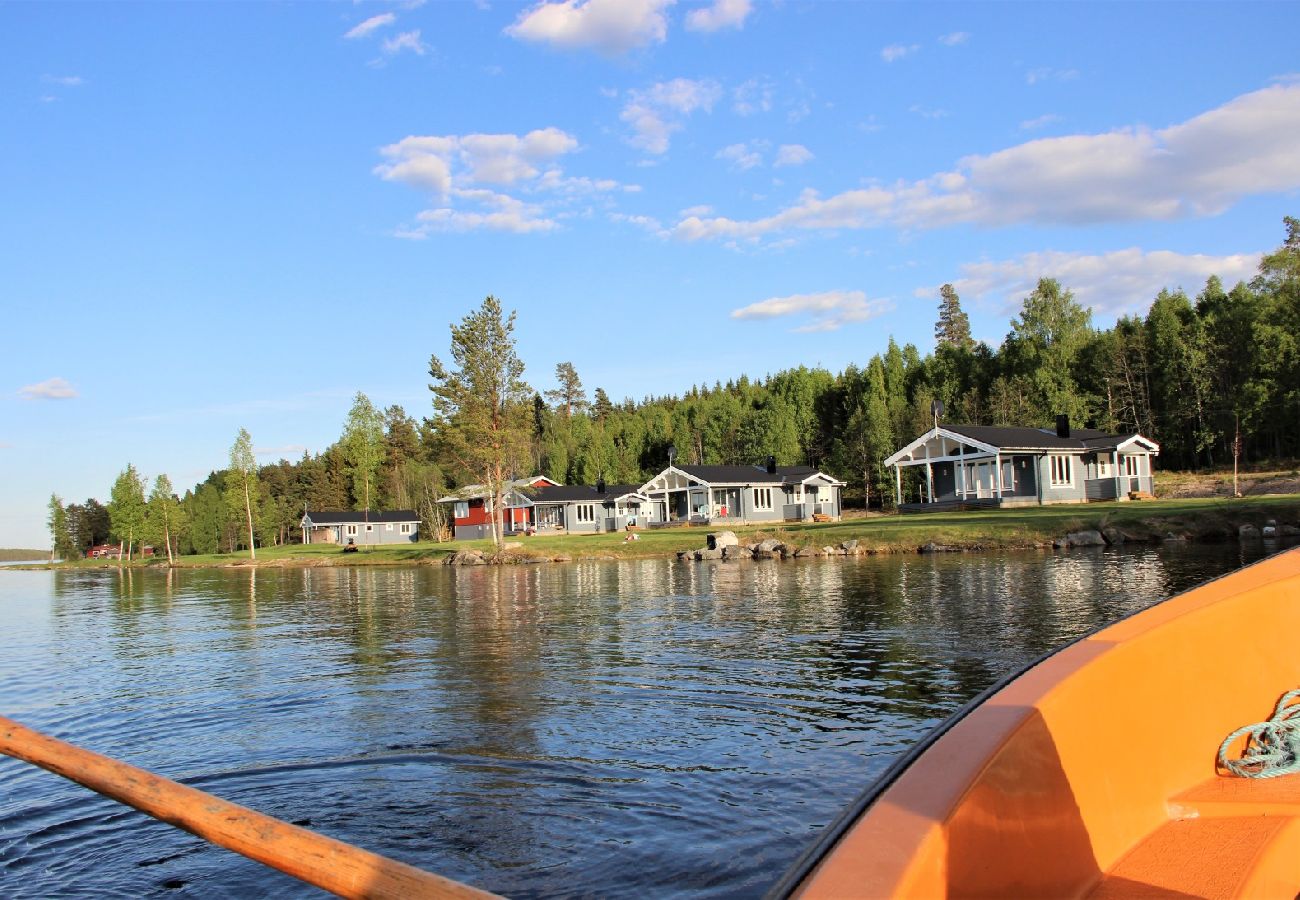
{"x": 1021, "y": 742}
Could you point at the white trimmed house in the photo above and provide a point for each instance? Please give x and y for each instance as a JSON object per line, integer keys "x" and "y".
{"x": 987, "y": 465}
{"x": 720, "y": 495}
{"x": 397, "y": 526}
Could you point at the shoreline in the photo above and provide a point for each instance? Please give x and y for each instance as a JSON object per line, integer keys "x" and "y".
{"x": 1032, "y": 528}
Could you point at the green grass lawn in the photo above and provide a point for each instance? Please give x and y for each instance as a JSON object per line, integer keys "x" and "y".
{"x": 976, "y": 530}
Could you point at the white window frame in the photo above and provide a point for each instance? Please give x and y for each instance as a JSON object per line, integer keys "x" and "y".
{"x": 1103, "y": 467}
{"x": 405, "y": 528}
{"x": 460, "y": 510}
{"x": 1062, "y": 470}
{"x": 762, "y": 498}
{"x": 1008, "y": 474}
{"x": 586, "y": 512}
{"x": 369, "y": 528}
{"x": 352, "y": 529}
{"x": 388, "y": 526}
{"x": 1133, "y": 466}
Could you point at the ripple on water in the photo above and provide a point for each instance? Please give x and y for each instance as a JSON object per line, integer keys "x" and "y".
{"x": 601, "y": 730}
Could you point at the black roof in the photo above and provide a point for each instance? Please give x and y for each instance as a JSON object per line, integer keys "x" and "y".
{"x": 348, "y": 517}
{"x": 578, "y": 493}
{"x": 748, "y": 474}
{"x": 1039, "y": 438}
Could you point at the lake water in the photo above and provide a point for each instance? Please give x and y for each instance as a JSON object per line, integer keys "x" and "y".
{"x": 628, "y": 729}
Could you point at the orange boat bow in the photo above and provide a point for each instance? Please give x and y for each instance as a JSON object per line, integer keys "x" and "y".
{"x": 1093, "y": 773}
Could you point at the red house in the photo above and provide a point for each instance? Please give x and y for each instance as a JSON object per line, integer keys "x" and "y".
{"x": 471, "y": 508}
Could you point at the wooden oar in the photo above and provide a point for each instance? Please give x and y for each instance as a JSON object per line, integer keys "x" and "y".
{"x": 324, "y": 862}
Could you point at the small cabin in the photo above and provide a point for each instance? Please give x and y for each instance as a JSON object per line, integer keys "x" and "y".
{"x": 397, "y": 526}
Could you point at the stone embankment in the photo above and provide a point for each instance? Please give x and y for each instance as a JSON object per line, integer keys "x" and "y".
{"x": 725, "y": 545}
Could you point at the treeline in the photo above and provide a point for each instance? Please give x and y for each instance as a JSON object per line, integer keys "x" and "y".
{"x": 1206, "y": 376}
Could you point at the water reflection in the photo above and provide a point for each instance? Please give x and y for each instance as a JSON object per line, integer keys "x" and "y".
{"x": 599, "y": 728}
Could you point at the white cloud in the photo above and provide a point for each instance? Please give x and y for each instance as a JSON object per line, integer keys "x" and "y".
{"x": 50, "y": 389}
{"x": 369, "y": 25}
{"x": 6, "y": 445}
{"x": 1200, "y": 167}
{"x": 64, "y": 80}
{"x": 454, "y": 169}
{"x": 792, "y": 155}
{"x": 954, "y": 38}
{"x": 927, "y": 113}
{"x": 407, "y": 40}
{"x": 752, "y": 96}
{"x": 647, "y": 223}
{"x": 702, "y": 210}
{"x": 722, "y": 14}
{"x": 1034, "y": 76}
{"x": 1123, "y": 281}
{"x": 1040, "y": 122}
{"x": 742, "y": 156}
{"x": 829, "y": 310}
{"x": 655, "y": 113}
{"x": 895, "y": 52}
{"x": 611, "y": 27}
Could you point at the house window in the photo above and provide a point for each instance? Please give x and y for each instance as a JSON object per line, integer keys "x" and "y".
{"x": 1062, "y": 471}
{"x": 1008, "y": 476}
{"x": 370, "y": 528}
{"x": 762, "y": 498}
{"x": 586, "y": 512}
{"x": 1103, "y": 467}
{"x": 796, "y": 493}
{"x": 352, "y": 529}
{"x": 388, "y": 526}
{"x": 461, "y": 509}
{"x": 1133, "y": 465}
{"x": 406, "y": 528}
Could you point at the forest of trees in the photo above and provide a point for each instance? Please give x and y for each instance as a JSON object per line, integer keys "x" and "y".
{"x": 1198, "y": 374}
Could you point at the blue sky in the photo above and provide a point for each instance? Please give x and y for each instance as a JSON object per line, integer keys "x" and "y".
{"x": 218, "y": 216}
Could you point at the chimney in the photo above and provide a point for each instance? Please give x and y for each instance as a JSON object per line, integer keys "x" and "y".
{"x": 600, "y": 485}
{"x": 771, "y": 465}
{"x": 672, "y": 455}
{"x": 1063, "y": 426}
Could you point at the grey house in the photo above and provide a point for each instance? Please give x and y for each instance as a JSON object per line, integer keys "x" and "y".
{"x": 718, "y": 495}
{"x": 987, "y": 465}
{"x": 579, "y": 509}
{"x": 397, "y": 526}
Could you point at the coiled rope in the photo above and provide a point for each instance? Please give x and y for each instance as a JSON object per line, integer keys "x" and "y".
{"x": 1272, "y": 747}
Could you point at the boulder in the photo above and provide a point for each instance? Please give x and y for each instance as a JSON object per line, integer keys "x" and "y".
{"x": 1087, "y": 538}
{"x": 737, "y": 552}
{"x": 770, "y": 545}
{"x": 561, "y": 558}
{"x": 708, "y": 553}
{"x": 850, "y": 545}
{"x": 720, "y": 539}
{"x": 1114, "y": 535}
{"x": 767, "y": 554}
{"x": 1290, "y": 531}
{"x": 466, "y": 558}
{"x": 805, "y": 552}
{"x": 686, "y": 554}
{"x": 1270, "y": 528}
{"x": 1248, "y": 533}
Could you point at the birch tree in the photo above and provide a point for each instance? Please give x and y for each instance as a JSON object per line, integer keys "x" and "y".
{"x": 482, "y": 405}
{"x": 241, "y": 483}
{"x": 126, "y": 509}
{"x": 363, "y": 449}
{"x": 163, "y": 512}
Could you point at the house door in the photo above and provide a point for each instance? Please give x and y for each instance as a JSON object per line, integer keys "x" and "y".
{"x": 547, "y": 516}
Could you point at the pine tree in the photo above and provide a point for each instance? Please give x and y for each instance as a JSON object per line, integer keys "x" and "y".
{"x": 482, "y": 407}
{"x": 569, "y": 397}
{"x": 953, "y": 327}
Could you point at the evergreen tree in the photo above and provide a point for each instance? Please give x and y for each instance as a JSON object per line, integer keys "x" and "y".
{"x": 602, "y": 406}
{"x": 482, "y": 406}
{"x": 953, "y": 327}
{"x": 1041, "y": 350}
{"x": 569, "y": 397}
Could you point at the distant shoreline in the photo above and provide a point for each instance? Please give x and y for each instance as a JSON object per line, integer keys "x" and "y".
{"x": 1025, "y": 528}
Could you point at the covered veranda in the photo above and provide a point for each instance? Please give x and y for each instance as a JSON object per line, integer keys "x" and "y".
{"x": 956, "y": 470}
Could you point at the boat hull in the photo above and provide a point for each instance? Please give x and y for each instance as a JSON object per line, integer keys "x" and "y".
{"x": 1093, "y": 772}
